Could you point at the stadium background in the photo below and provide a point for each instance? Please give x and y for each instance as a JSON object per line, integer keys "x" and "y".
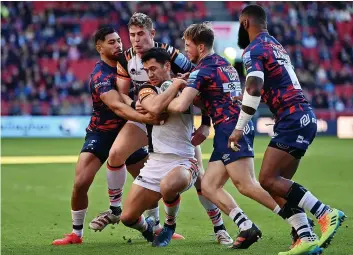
{"x": 46, "y": 57}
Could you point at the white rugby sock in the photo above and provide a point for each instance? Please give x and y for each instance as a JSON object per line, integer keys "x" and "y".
{"x": 171, "y": 210}
{"x": 78, "y": 218}
{"x": 155, "y": 214}
{"x": 212, "y": 210}
{"x": 239, "y": 217}
{"x": 116, "y": 178}
{"x": 140, "y": 225}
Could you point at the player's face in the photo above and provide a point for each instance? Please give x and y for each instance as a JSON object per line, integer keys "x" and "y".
{"x": 157, "y": 72}
{"x": 141, "y": 39}
{"x": 192, "y": 51}
{"x": 111, "y": 47}
{"x": 243, "y": 35}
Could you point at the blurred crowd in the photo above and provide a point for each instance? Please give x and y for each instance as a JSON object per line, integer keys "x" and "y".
{"x": 47, "y": 52}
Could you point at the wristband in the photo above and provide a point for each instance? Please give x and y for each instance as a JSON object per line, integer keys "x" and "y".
{"x": 133, "y": 104}
{"x": 206, "y": 120}
{"x": 243, "y": 120}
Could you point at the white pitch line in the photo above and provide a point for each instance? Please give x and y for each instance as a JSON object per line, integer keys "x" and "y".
{"x": 68, "y": 159}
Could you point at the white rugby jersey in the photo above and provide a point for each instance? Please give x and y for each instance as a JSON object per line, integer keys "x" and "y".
{"x": 174, "y": 137}
{"x": 130, "y": 66}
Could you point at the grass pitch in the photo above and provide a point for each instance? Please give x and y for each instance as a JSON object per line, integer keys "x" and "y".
{"x": 36, "y": 203}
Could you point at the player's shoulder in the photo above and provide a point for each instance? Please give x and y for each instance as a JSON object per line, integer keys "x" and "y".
{"x": 128, "y": 54}
{"x": 98, "y": 71}
{"x": 169, "y": 48}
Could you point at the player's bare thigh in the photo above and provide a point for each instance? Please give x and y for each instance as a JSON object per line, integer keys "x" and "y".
{"x": 86, "y": 168}
{"x": 138, "y": 200}
{"x": 130, "y": 139}
{"x": 274, "y": 165}
{"x": 242, "y": 173}
{"x": 215, "y": 177}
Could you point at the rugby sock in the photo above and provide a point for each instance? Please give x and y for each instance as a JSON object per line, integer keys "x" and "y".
{"x": 140, "y": 225}
{"x": 238, "y": 216}
{"x": 155, "y": 214}
{"x": 298, "y": 195}
{"x": 300, "y": 223}
{"x": 78, "y": 218}
{"x": 171, "y": 210}
{"x": 116, "y": 178}
{"x": 213, "y": 212}
{"x": 288, "y": 211}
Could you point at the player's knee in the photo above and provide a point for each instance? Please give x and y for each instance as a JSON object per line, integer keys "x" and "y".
{"x": 169, "y": 188}
{"x": 246, "y": 188}
{"x": 206, "y": 188}
{"x": 116, "y": 156}
{"x": 127, "y": 218}
{"x": 82, "y": 184}
{"x": 266, "y": 182}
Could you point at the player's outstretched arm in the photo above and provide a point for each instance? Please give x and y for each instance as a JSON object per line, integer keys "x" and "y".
{"x": 115, "y": 102}
{"x": 157, "y": 103}
{"x": 183, "y": 101}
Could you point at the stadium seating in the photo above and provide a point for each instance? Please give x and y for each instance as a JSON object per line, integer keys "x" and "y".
{"x": 43, "y": 42}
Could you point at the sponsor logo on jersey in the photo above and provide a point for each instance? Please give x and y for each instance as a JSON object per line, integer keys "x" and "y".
{"x": 102, "y": 84}
{"x": 300, "y": 139}
{"x": 304, "y": 120}
{"x": 225, "y": 157}
{"x": 282, "y": 146}
{"x": 247, "y": 60}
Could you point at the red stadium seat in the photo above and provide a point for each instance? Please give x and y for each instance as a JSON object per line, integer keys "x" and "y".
{"x": 89, "y": 27}
{"x": 4, "y": 108}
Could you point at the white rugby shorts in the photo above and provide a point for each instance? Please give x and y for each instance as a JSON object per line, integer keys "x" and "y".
{"x": 138, "y": 124}
{"x": 155, "y": 170}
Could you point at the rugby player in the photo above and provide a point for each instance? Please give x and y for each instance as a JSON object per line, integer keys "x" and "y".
{"x": 133, "y": 135}
{"x": 217, "y": 82}
{"x": 108, "y": 117}
{"x": 271, "y": 76}
{"x": 171, "y": 167}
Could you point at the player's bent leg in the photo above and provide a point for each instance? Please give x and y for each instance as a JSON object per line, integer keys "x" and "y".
{"x": 212, "y": 184}
{"x": 116, "y": 171}
{"x": 134, "y": 164}
{"x": 179, "y": 179}
{"x": 297, "y": 196}
{"x": 138, "y": 200}
{"x": 86, "y": 168}
{"x": 130, "y": 139}
{"x": 242, "y": 174}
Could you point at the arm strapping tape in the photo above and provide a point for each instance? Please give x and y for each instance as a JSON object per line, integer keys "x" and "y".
{"x": 251, "y": 101}
{"x": 244, "y": 118}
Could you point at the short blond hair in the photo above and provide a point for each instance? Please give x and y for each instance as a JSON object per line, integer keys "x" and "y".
{"x": 141, "y": 20}
{"x": 201, "y": 33}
